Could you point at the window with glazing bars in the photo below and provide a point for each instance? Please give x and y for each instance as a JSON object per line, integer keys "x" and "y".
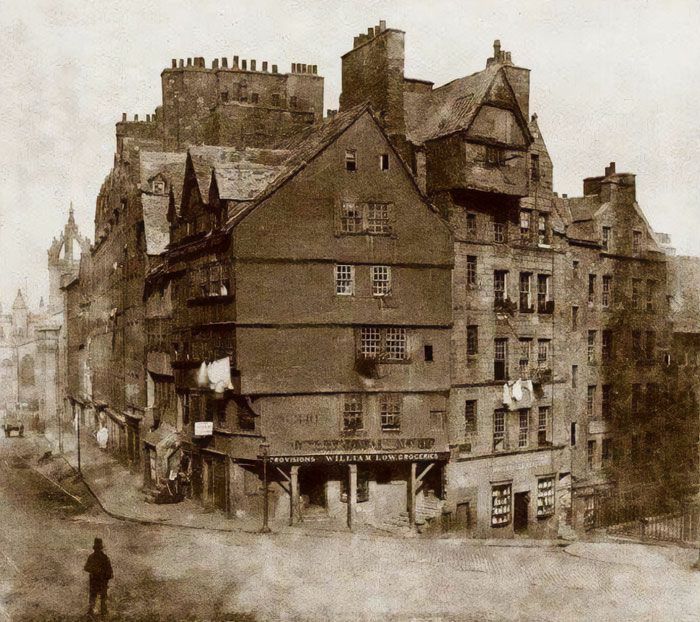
{"x": 381, "y": 280}
{"x": 472, "y": 339}
{"x": 607, "y": 291}
{"x": 395, "y": 344}
{"x": 606, "y": 238}
{"x": 636, "y": 242}
{"x": 470, "y": 417}
{"x": 471, "y": 270}
{"x": 606, "y": 401}
{"x": 525, "y": 295}
{"x": 501, "y": 504}
{"x": 471, "y": 224}
{"x": 591, "y": 289}
{"x": 590, "y": 454}
{"x": 543, "y": 425}
{"x": 213, "y": 280}
{"x": 499, "y": 285}
{"x": 524, "y": 360}
{"x": 344, "y": 280}
{"x": 378, "y": 218}
{"x": 390, "y": 412}
{"x": 351, "y": 218}
{"x": 525, "y": 226}
{"x": 524, "y": 427}
{"x": 500, "y": 359}
{"x": 591, "y": 346}
{"x": 352, "y": 413}
{"x": 545, "y": 496}
{"x": 607, "y": 348}
{"x": 590, "y": 400}
{"x": 543, "y": 352}
{"x": 636, "y": 293}
{"x": 499, "y": 231}
{"x": 499, "y": 430}
{"x": 651, "y": 289}
{"x": 542, "y": 292}
{"x": 542, "y": 230}
{"x": 370, "y": 341}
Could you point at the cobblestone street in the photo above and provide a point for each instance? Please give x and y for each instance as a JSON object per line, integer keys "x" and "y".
{"x": 168, "y": 573}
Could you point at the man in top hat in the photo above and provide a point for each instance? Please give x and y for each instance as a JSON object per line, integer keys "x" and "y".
{"x": 100, "y": 570}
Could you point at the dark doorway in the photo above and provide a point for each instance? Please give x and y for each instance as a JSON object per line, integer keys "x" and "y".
{"x": 522, "y": 500}
{"x": 312, "y": 487}
{"x": 464, "y": 519}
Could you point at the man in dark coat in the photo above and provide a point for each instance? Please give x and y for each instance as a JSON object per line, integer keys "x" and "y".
{"x": 100, "y": 569}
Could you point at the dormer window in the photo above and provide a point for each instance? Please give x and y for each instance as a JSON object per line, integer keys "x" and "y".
{"x": 158, "y": 186}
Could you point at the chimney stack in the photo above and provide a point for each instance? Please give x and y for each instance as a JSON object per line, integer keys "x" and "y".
{"x": 235, "y": 62}
{"x": 123, "y": 117}
{"x": 382, "y": 25}
{"x": 244, "y": 64}
{"x": 610, "y": 170}
{"x": 252, "y": 65}
{"x": 264, "y": 68}
{"x": 215, "y": 63}
{"x": 274, "y": 68}
{"x": 174, "y": 63}
{"x": 224, "y": 62}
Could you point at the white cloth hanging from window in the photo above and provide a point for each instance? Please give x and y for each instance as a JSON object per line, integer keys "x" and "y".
{"x": 102, "y": 437}
{"x": 517, "y": 391}
{"x": 202, "y": 375}
{"x": 220, "y": 375}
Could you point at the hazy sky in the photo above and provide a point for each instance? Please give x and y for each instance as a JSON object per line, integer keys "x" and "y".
{"x": 610, "y": 81}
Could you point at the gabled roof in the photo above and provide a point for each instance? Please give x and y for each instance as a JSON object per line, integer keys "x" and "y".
{"x": 155, "y": 222}
{"x": 452, "y": 107}
{"x": 249, "y": 174}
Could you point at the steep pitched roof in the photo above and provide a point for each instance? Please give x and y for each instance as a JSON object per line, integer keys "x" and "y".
{"x": 247, "y": 173}
{"x": 169, "y": 164}
{"x": 155, "y": 222}
{"x": 451, "y": 107}
{"x": 19, "y": 301}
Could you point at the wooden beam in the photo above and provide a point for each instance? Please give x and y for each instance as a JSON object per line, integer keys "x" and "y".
{"x": 283, "y": 474}
{"x": 352, "y": 494}
{"x": 411, "y": 496}
{"x": 294, "y": 510}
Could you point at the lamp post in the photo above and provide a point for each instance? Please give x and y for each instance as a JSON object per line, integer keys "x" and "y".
{"x": 264, "y": 454}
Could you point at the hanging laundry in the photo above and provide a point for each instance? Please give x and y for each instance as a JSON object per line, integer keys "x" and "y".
{"x": 202, "y": 375}
{"x": 517, "y": 390}
{"x": 102, "y": 437}
{"x": 506, "y": 394}
{"x": 220, "y": 375}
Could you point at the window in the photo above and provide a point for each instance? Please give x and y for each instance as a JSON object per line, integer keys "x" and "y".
{"x": 636, "y": 293}
{"x": 395, "y": 344}
{"x": 212, "y": 280}
{"x": 525, "y": 226}
{"x": 387, "y": 344}
{"x": 390, "y": 412}
{"x": 590, "y": 401}
{"x": 350, "y": 156}
{"x": 607, "y": 291}
{"x": 543, "y": 419}
{"x": 523, "y": 427}
{"x": 572, "y": 434}
{"x": 471, "y": 224}
{"x": 542, "y": 230}
{"x": 534, "y": 167}
{"x": 543, "y": 352}
{"x": 499, "y": 430}
{"x": 224, "y": 96}
{"x": 378, "y": 218}
{"x": 495, "y": 156}
{"x": 293, "y": 103}
{"x": 574, "y": 376}
{"x": 499, "y": 231}
{"x": 428, "y": 353}
{"x": 543, "y": 300}
{"x": 590, "y": 454}
{"x": 472, "y": 340}
{"x": 352, "y": 413}
{"x": 575, "y": 268}
{"x": 500, "y": 278}
{"x": 636, "y": 398}
{"x": 545, "y": 496}
{"x": 351, "y": 218}
{"x": 607, "y": 237}
{"x": 607, "y": 451}
{"x": 591, "y": 289}
{"x": 384, "y": 162}
{"x": 381, "y": 280}
{"x": 524, "y": 360}
{"x": 607, "y": 345}
{"x": 651, "y": 290}
{"x": 254, "y": 98}
{"x": 650, "y": 345}
{"x": 591, "y": 346}
{"x": 275, "y": 100}
{"x": 500, "y": 361}
{"x": 471, "y": 270}
{"x": 525, "y": 296}
{"x": 371, "y": 218}
{"x": 574, "y": 317}
{"x": 637, "y": 351}
{"x": 345, "y": 280}
{"x": 500, "y": 505}
{"x": 606, "y": 405}
{"x": 158, "y": 186}
{"x": 636, "y": 242}
{"x": 469, "y": 417}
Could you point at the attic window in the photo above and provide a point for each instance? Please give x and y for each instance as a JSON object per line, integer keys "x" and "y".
{"x": 158, "y": 186}
{"x": 350, "y": 160}
{"x": 384, "y": 162}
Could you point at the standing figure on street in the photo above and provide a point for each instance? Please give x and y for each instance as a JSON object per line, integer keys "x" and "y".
{"x": 100, "y": 570}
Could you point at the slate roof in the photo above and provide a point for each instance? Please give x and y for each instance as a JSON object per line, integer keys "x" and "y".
{"x": 155, "y": 222}
{"x": 171, "y": 165}
{"x": 684, "y": 281}
{"x": 447, "y": 109}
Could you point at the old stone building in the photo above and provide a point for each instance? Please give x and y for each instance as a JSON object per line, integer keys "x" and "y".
{"x": 387, "y": 313}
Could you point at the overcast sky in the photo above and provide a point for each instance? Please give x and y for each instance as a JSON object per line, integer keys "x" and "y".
{"x": 610, "y": 81}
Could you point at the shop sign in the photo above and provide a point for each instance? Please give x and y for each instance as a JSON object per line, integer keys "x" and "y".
{"x": 203, "y": 428}
{"x": 364, "y": 444}
{"x": 355, "y": 458}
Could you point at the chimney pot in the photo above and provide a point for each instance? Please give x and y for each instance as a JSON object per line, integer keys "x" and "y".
{"x": 148, "y": 118}
{"x": 564, "y": 196}
{"x": 182, "y": 62}
{"x": 496, "y": 48}
{"x": 189, "y": 62}
{"x": 215, "y": 63}
{"x": 174, "y": 63}
{"x": 314, "y": 69}
{"x": 224, "y": 62}
{"x": 252, "y": 65}
{"x": 244, "y": 64}
{"x": 235, "y": 62}
{"x": 303, "y": 68}
{"x": 264, "y": 66}
{"x": 136, "y": 117}
{"x": 610, "y": 170}
{"x": 370, "y": 32}
{"x": 382, "y": 25}
{"x": 274, "y": 68}
{"x": 123, "y": 117}
{"x": 294, "y": 67}
{"x": 376, "y": 30}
